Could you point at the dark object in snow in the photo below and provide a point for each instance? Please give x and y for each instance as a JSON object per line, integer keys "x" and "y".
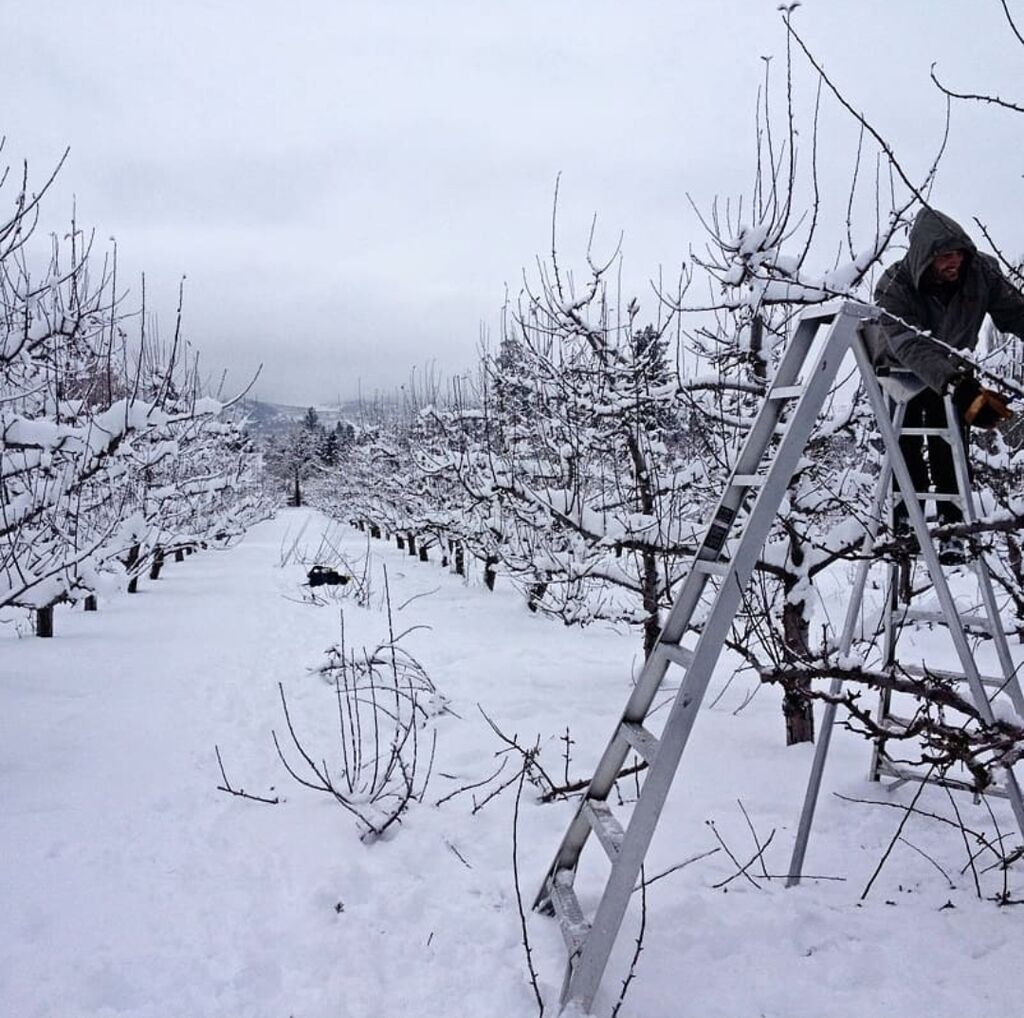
{"x": 44, "y": 621}
{"x": 321, "y": 576}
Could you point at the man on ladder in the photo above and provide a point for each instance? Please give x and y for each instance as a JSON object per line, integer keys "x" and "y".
{"x": 943, "y": 286}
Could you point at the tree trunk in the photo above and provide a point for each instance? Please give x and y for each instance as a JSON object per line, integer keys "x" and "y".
{"x": 133, "y": 557}
{"x": 460, "y": 559}
{"x": 798, "y": 710}
{"x": 44, "y": 621}
{"x": 489, "y": 574}
{"x": 642, "y": 474}
{"x": 156, "y": 565}
{"x": 375, "y": 531}
{"x": 400, "y": 541}
{"x": 536, "y": 594}
{"x": 760, "y": 362}
{"x": 423, "y": 553}
{"x": 652, "y": 619}
{"x": 179, "y": 555}
{"x": 412, "y": 544}
{"x": 91, "y": 604}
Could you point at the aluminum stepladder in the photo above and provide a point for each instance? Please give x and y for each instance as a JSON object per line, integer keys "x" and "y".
{"x": 750, "y": 500}
{"x": 753, "y": 493}
{"x": 983, "y": 688}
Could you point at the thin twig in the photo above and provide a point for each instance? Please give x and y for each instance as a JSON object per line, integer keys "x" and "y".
{"x": 742, "y": 872}
{"x": 409, "y": 601}
{"x": 519, "y": 894}
{"x": 896, "y": 837}
{"x": 240, "y": 792}
{"x": 631, "y": 974}
{"x": 458, "y": 854}
{"x": 584, "y": 783}
{"x": 470, "y": 787}
{"x": 678, "y": 866}
{"x": 753, "y": 834}
{"x": 971, "y": 856}
{"x": 925, "y": 855}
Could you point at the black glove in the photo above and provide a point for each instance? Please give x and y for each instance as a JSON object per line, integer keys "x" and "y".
{"x": 981, "y": 407}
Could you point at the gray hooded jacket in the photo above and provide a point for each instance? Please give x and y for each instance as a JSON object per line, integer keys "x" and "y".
{"x": 954, "y": 315}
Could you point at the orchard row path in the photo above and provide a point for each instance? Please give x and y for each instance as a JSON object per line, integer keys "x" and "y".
{"x": 131, "y": 886}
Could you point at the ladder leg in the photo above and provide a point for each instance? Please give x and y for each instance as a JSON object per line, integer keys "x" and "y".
{"x": 889, "y": 636}
{"x": 898, "y": 576}
{"x": 828, "y": 719}
{"x": 881, "y": 495}
{"x": 978, "y": 563}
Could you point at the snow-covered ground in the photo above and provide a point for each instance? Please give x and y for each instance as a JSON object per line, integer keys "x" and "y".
{"x": 132, "y": 887}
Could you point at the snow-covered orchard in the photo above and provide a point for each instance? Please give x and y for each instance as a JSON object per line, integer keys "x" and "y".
{"x": 319, "y": 763}
{"x": 114, "y": 455}
{"x": 133, "y": 886}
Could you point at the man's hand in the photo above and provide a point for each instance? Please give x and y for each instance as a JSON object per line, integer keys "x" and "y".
{"x": 984, "y": 408}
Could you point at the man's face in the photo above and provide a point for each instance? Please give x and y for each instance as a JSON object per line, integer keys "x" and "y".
{"x": 947, "y": 266}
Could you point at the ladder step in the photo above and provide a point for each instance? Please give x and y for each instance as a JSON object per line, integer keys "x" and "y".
{"x": 889, "y": 769}
{"x": 640, "y": 739}
{"x": 895, "y": 720}
{"x": 975, "y": 622}
{"x": 934, "y": 496}
{"x": 747, "y": 480}
{"x": 676, "y": 653}
{"x": 786, "y": 392}
{"x": 575, "y": 927}
{"x": 946, "y": 676}
{"x": 944, "y": 432}
{"x": 713, "y": 567}
{"x": 603, "y": 823}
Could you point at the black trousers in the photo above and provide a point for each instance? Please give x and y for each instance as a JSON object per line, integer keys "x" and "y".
{"x": 928, "y": 410}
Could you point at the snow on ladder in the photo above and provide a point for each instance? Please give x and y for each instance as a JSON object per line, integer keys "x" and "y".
{"x": 749, "y": 505}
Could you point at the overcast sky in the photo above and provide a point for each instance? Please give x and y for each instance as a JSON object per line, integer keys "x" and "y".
{"x": 350, "y": 186}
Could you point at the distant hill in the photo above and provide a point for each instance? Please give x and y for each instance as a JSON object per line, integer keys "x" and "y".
{"x": 265, "y": 418}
